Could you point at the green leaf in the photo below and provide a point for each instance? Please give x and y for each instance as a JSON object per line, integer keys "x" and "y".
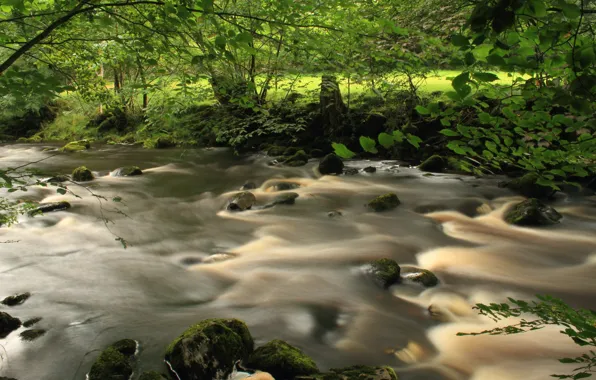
{"x": 398, "y": 136}
{"x": 446, "y": 122}
{"x": 244, "y": 37}
{"x": 369, "y": 145}
{"x": 495, "y": 60}
{"x": 469, "y": 59}
{"x": 116, "y": 199}
{"x": 414, "y": 140}
{"x": 486, "y": 77}
{"x": 61, "y": 190}
{"x": 538, "y": 7}
{"x": 571, "y": 11}
{"x": 449, "y": 132}
{"x": 342, "y": 151}
{"x": 459, "y": 83}
{"x": 507, "y": 140}
{"x": 422, "y": 110}
{"x": 386, "y": 140}
{"x": 491, "y": 146}
{"x": 459, "y": 40}
{"x": 220, "y": 42}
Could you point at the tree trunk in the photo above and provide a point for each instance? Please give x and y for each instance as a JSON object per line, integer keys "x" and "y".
{"x": 332, "y": 106}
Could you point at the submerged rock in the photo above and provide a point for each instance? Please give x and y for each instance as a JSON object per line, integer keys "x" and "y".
{"x": 82, "y": 174}
{"x": 384, "y": 272}
{"x": 282, "y": 186}
{"x": 248, "y": 186}
{"x": 420, "y": 276}
{"x": 334, "y": 214}
{"x": 357, "y": 372}
{"x": 76, "y": 146}
{"x": 282, "y": 360}
{"x": 58, "y": 179}
{"x": 331, "y": 164}
{"x": 49, "y": 207}
{"x": 285, "y": 199}
{"x": 126, "y": 171}
{"x": 527, "y": 186}
{"x": 434, "y": 163}
{"x": 217, "y": 257}
{"x": 209, "y": 349}
{"x": 242, "y": 201}
{"x": 384, "y": 202}
{"x": 8, "y": 324}
{"x": 350, "y": 171}
{"x": 370, "y": 169}
{"x": 16, "y": 299}
{"x": 30, "y": 322}
{"x": 115, "y": 362}
{"x": 532, "y": 212}
{"x": 29, "y": 335}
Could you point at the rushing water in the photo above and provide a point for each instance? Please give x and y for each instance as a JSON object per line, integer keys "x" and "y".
{"x": 295, "y": 271}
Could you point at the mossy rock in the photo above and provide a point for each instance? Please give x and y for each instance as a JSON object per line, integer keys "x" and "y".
{"x": 276, "y": 151}
{"x": 283, "y": 186}
{"x": 384, "y": 202}
{"x": 152, "y": 375}
{"x": 82, "y": 174}
{"x": 282, "y": 360}
{"x": 76, "y": 146}
{"x": 420, "y": 276}
{"x": 434, "y": 164}
{"x": 290, "y": 151}
{"x": 115, "y": 362}
{"x": 32, "y": 334}
{"x": 127, "y": 171}
{"x": 527, "y": 186}
{"x": 384, "y": 272}
{"x": 300, "y": 158}
{"x": 242, "y": 201}
{"x": 357, "y": 372}
{"x": 49, "y": 207}
{"x": 532, "y": 212}
{"x": 209, "y": 349}
{"x": 8, "y": 324}
{"x": 331, "y": 164}
{"x": 160, "y": 142}
{"x": 285, "y": 199}
{"x": 31, "y": 322}
{"x": 16, "y": 299}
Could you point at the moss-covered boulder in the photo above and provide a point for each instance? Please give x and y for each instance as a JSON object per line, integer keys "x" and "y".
{"x": 384, "y": 272}
{"x": 115, "y": 362}
{"x": 290, "y": 151}
{"x": 276, "y": 151}
{"x": 300, "y": 158}
{"x": 241, "y": 201}
{"x": 282, "y": 360}
{"x": 528, "y": 186}
{"x": 16, "y": 299}
{"x": 152, "y": 375}
{"x": 49, "y": 207}
{"x": 420, "y": 276}
{"x": 8, "y": 324}
{"x": 285, "y": 199}
{"x": 82, "y": 174}
{"x": 76, "y": 146}
{"x": 532, "y": 212}
{"x": 434, "y": 164}
{"x": 357, "y": 372}
{"x": 331, "y": 164}
{"x": 209, "y": 349}
{"x": 32, "y": 334}
{"x": 384, "y": 202}
{"x": 126, "y": 171}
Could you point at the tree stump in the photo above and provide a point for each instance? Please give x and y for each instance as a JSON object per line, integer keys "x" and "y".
{"x": 332, "y": 106}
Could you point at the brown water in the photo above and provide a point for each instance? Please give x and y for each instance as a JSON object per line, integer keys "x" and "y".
{"x": 295, "y": 275}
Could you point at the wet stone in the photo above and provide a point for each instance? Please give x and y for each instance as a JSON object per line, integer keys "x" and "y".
{"x": 16, "y": 299}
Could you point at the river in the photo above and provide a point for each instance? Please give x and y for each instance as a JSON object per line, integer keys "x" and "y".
{"x": 295, "y": 271}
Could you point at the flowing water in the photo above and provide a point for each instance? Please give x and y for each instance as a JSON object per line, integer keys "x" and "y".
{"x": 294, "y": 274}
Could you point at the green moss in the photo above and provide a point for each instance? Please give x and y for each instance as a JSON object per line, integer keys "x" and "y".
{"x": 290, "y": 151}
{"x": 384, "y": 272}
{"x": 434, "y": 163}
{"x": 275, "y": 151}
{"x": 76, "y": 146}
{"x": 282, "y": 360}
{"x": 81, "y": 174}
{"x": 297, "y": 159}
{"x": 151, "y": 375}
{"x": 209, "y": 349}
{"x": 160, "y": 142}
{"x": 115, "y": 362}
{"x": 384, "y": 202}
{"x": 532, "y": 212}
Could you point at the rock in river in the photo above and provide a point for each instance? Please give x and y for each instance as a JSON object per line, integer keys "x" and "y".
{"x": 16, "y": 299}
{"x": 285, "y": 199}
{"x": 423, "y": 277}
{"x": 331, "y": 164}
{"x": 384, "y": 202}
{"x": 49, "y": 207}
{"x": 126, "y": 171}
{"x": 209, "y": 349}
{"x": 76, "y": 146}
{"x": 82, "y": 174}
{"x": 115, "y": 362}
{"x": 242, "y": 201}
{"x": 282, "y": 360}
{"x": 528, "y": 186}
{"x": 357, "y": 372}
{"x": 8, "y": 324}
{"x": 384, "y": 272}
{"x": 532, "y": 212}
{"x": 434, "y": 163}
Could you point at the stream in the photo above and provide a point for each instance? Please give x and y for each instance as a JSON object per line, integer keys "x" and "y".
{"x": 294, "y": 271}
